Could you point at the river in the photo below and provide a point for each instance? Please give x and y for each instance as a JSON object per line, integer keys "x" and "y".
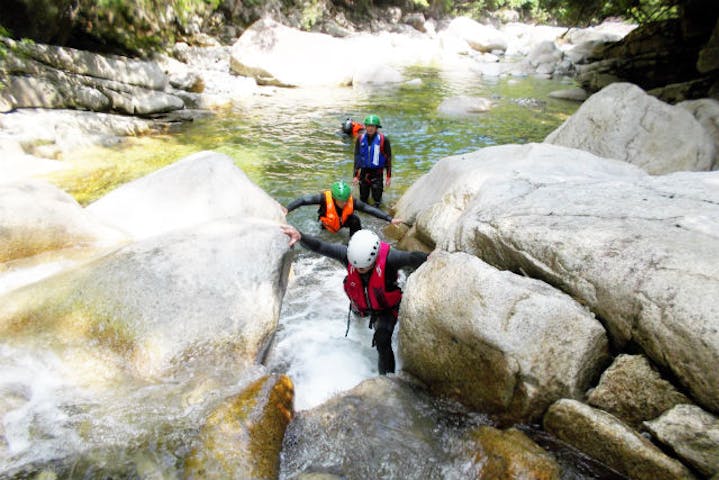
{"x": 288, "y": 142}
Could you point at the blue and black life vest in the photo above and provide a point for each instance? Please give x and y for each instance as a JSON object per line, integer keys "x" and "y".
{"x": 372, "y": 155}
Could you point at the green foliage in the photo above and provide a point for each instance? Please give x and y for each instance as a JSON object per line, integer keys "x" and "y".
{"x": 582, "y": 12}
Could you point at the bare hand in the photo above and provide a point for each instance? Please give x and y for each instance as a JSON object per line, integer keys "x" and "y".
{"x": 355, "y": 180}
{"x": 387, "y": 182}
{"x": 291, "y": 232}
{"x": 396, "y": 221}
{"x": 284, "y": 210}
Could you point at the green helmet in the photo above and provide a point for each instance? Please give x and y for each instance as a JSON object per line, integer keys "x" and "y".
{"x": 341, "y": 191}
{"x": 372, "y": 120}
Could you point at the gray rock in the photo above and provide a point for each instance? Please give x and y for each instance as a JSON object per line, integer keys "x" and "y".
{"x": 121, "y": 69}
{"x": 502, "y": 343}
{"x": 37, "y": 217}
{"x": 706, "y": 111}
{"x": 483, "y": 38}
{"x": 388, "y": 428}
{"x": 692, "y": 433}
{"x": 607, "y": 439}
{"x": 172, "y": 198}
{"x": 166, "y": 304}
{"x": 277, "y": 55}
{"x": 633, "y": 391}
{"x": 624, "y": 123}
{"x": 636, "y": 249}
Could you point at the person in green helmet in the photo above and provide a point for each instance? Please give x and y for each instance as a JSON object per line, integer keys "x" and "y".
{"x": 373, "y": 156}
{"x": 337, "y": 208}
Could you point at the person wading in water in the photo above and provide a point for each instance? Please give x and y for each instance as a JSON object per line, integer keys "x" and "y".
{"x": 371, "y": 281}
{"x": 337, "y": 207}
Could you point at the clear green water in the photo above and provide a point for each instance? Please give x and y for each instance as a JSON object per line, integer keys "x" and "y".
{"x": 290, "y": 142}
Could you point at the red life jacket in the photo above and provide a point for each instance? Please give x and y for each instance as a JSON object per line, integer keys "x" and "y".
{"x": 375, "y": 297}
{"x": 332, "y": 220}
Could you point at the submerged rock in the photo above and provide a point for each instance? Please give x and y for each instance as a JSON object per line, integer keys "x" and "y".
{"x": 389, "y": 428}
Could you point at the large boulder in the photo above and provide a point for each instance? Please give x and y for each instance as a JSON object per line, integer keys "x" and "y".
{"x": 483, "y": 38}
{"x": 388, "y": 428}
{"x": 623, "y": 122}
{"x": 637, "y": 250}
{"x": 37, "y": 217}
{"x": 607, "y": 439}
{"x": 173, "y": 197}
{"x": 194, "y": 295}
{"x": 502, "y": 343}
{"x": 274, "y": 54}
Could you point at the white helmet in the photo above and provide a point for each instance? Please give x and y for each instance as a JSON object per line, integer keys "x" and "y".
{"x": 363, "y": 248}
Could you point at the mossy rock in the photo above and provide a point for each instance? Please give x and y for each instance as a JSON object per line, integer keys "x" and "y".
{"x": 242, "y": 437}
{"x": 511, "y": 454}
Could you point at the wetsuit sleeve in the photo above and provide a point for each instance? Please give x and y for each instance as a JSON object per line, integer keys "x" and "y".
{"x": 309, "y": 199}
{"x": 374, "y": 211}
{"x": 388, "y": 156}
{"x": 331, "y": 250}
{"x": 398, "y": 259}
{"x": 357, "y": 158}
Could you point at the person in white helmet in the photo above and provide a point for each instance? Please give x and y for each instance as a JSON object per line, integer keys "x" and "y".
{"x": 371, "y": 281}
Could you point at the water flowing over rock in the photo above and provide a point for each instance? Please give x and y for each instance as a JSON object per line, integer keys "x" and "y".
{"x": 623, "y": 122}
{"x": 158, "y": 303}
{"x": 602, "y": 436}
{"x": 389, "y": 428}
{"x": 142, "y": 340}
{"x": 693, "y": 434}
{"x": 637, "y": 250}
{"x": 198, "y": 188}
{"x": 500, "y": 342}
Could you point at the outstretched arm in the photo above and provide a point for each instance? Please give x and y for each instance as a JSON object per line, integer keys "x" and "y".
{"x": 399, "y": 258}
{"x": 332, "y": 250}
{"x": 388, "y": 165}
{"x": 374, "y": 211}
{"x": 309, "y": 199}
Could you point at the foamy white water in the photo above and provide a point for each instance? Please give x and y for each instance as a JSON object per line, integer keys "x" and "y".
{"x": 310, "y": 345}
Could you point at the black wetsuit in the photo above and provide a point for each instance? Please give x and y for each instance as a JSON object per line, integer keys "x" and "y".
{"x": 383, "y": 321}
{"x": 353, "y": 221}
{"x": 372, "y": 178}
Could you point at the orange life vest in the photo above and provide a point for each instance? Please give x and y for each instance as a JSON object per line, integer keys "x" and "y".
{"x": 357, "y": 128}
{"x": 331, "y": 220}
